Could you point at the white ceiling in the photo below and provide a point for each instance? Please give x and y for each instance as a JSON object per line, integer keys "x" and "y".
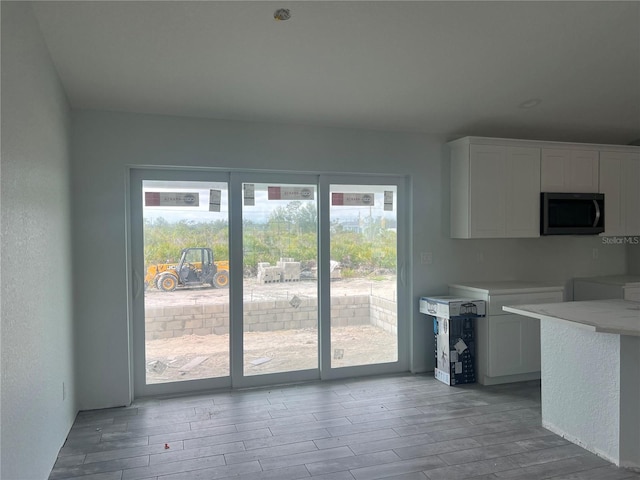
{"x": 451, "y": 68}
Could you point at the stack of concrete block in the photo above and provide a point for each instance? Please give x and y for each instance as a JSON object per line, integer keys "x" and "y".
{"x": 268, "y": 274}
{"x": 290, "y": 270}
{"x": 335, "y": 270}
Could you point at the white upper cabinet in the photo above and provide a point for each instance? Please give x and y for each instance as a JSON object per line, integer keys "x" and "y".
{"x": 495, "y": 191}
{"x": 569, "y": 170}
{"x": 523, "y": 192}
{"x": 620, "y": 183}
{"x": 496, "y": 184}
{"x": 487, "y": 187}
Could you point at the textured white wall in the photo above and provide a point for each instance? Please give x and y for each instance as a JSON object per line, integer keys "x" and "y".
{"x": 630, "y": 402}
{"x": 581, "y": 386}
{"x": 37, "y": 329}
{"x": 37, "y": 325}
{"x": 105, "y": 143}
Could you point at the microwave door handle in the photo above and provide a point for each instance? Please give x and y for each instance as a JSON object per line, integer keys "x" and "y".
{"x": 597, "y": 220}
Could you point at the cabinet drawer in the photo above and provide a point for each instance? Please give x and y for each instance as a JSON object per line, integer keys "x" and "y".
{"x": 632, "y": 294}
{"x": 496, "y": 302}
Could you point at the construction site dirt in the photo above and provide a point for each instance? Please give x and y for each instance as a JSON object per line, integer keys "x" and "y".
{"x": 383, "y": 286}
{"x": 191, "y": 357}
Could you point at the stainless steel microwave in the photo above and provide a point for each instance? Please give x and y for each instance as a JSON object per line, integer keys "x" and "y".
{"x": 571, "y": 213}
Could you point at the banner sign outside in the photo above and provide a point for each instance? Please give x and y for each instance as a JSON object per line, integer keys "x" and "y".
{"x": 290, "y": 193}
{"x": 171, "y": 199}
{"x": 352, "y": 199}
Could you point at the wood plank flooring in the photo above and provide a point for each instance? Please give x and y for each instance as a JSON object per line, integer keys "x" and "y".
{"x": 400, "y": 427}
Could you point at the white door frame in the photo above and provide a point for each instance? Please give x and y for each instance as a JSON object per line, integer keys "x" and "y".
{"x": 235, "y": 179}
{"x": 238, "y": 379}
{"x": 403, "y": 297}
{"x": 137, "y": 274}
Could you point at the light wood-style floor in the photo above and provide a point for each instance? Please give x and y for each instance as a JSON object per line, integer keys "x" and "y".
{"x": 401, "y": 427}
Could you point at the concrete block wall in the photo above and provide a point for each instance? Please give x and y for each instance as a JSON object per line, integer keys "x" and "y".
{"x": 384, "y": 314}
{"x": 269, "y": 316}
{"x": 176, "y": 321}
{"x": 350, "y": 310}
{"x": 264, "y": 316}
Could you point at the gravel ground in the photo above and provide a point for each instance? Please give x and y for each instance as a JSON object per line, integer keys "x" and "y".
{"x": 264, "y": 352}
{"x": 194, "y": 357}
{"x": 253, "y": 291}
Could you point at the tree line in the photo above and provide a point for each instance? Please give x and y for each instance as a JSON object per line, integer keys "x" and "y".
{"x": 362, "y": 246}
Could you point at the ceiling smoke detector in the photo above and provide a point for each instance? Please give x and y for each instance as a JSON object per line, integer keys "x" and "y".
{"x": 532, "y": 102}
{"x": 282, "y": 14}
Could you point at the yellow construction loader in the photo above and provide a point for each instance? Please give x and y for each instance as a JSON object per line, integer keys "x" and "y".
{"x": 195, "y": 268}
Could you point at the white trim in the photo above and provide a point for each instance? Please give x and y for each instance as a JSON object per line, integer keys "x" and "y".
{"x": 541, "y": 144}
{"x": 235, "y": 179}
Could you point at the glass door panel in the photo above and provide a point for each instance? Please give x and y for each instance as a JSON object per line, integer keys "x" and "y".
{"x": 280, "y": 286}
{"x": 198, "y": 324}
{"x": 186, "y": 279}
{"x": 363, "y": 272}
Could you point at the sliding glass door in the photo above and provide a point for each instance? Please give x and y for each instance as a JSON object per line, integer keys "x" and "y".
{"x": 181, "y": 298}
{"x": 280, "y": 286}
{"x": 363, "y": 257}
{"x": 244, "y": 279}
{"x": 186, "y": 299}
{"x": 363, "y": 269}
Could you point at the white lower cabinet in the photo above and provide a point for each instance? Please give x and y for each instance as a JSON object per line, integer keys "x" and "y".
{"x": 515, "y": 352}
{"x": 626, "y": 287}
{"x": 507, "y": 345}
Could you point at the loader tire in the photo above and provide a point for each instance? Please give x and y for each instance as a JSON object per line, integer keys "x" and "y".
{"x": 221, "y": 279}
{"x": 167, "y": 282}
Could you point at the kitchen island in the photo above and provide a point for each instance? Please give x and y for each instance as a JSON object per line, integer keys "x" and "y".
{"x": 590, "y": 372}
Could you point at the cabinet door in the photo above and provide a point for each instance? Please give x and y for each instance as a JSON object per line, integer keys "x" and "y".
{"x": 573, "y": 171}
{"x": 523, "y": 192}
{"x": 553, "y": 173}
{"x": 583, "y": 171}
{"x": 531, "y": 345}
{"x": 515, "y": 345}
{"x": 631, "y": 194}
{"x": 632, "y": 293}
{"x": 487, "y": 191}
{"x": 619, "y": 180}
{"x": 611, "y": 186}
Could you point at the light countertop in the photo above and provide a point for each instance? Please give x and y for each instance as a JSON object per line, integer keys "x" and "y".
{"x": 620, "y": 317}
{"x": 621, "y": 280}
{"x": 508, "y": 287}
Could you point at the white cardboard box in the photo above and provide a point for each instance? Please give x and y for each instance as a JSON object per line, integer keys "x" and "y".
{"x": 449, "y": 307}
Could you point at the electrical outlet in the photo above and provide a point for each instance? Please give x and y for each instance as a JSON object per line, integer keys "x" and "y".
{"x": 426, "y": 258}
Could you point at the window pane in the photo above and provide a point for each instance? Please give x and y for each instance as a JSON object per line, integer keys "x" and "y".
{"x": 280, "y": 278}
{"x": 363, "y": 274}
{"x": 186, "y": 305}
